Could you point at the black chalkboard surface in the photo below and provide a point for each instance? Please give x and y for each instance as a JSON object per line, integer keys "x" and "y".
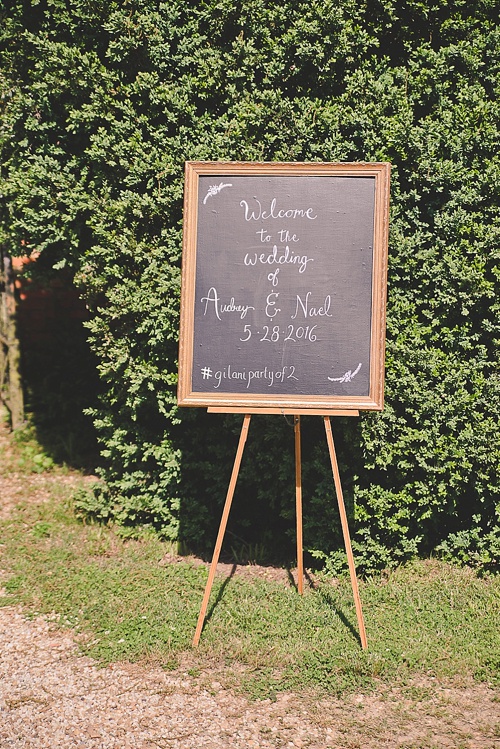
{"x": 283, "y": 288}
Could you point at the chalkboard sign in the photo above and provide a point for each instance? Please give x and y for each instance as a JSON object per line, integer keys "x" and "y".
{"x": 284, "y": 285}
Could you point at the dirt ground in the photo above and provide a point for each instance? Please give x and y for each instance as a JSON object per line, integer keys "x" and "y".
{"x": 51, "y": 696}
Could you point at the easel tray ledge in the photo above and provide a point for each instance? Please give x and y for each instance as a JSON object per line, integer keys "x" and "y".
{"x": 282, "y": 411}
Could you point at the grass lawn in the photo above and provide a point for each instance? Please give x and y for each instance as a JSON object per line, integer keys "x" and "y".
{"x": 127, "y": 600}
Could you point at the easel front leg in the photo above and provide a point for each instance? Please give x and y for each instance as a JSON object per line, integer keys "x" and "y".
{"x": 298, "y": 506}
{"x": 222, "y": 528}
{"x": 345, "y": 531}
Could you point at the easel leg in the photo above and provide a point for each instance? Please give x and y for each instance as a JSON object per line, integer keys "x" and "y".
{"x": 222, "y": 528}
{"x": 298, "y": 505}
{"x": 345, "y": 531}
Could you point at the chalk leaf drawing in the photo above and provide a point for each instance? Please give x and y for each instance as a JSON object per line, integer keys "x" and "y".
{"x": 214, "y": 189}
{"x": 348, "y": 376}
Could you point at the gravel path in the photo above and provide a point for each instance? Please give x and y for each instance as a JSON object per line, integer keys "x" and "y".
{"x": 52, "y": 697}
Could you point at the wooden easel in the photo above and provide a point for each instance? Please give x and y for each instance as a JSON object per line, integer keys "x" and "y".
{"x": 298, "y": 502}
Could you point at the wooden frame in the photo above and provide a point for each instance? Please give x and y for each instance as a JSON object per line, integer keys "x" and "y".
{"x": 303, "y": 402}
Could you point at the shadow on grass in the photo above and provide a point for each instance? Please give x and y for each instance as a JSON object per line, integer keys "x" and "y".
{"x": 220, "y": 595}
{"x": 333, "y": 606}
{"x": 293, "y": 583}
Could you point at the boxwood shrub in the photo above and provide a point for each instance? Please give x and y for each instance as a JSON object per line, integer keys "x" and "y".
{"x": 103, "y": 102}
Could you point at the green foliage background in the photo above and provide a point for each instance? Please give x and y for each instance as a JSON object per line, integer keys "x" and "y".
{"x": 102, "y": 102}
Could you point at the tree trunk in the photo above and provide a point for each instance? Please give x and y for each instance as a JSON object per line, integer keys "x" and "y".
{"x": 10, "y": 356}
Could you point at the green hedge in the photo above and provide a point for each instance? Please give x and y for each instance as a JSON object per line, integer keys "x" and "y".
{"x": 101, "y": 105}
